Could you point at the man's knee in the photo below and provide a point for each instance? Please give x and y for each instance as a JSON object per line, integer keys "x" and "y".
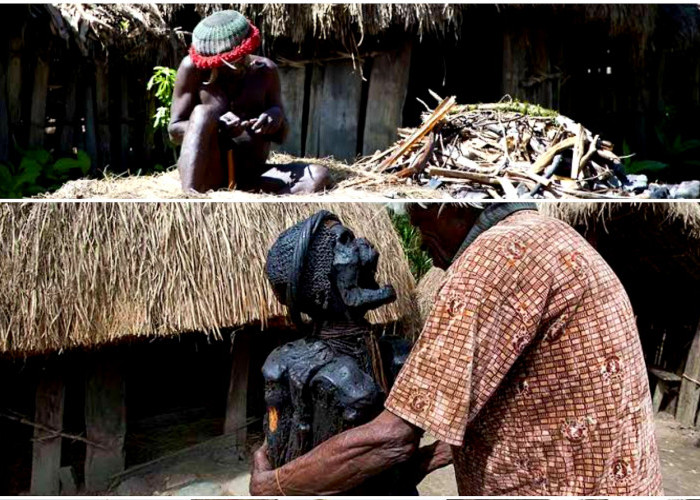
{"x": 320, "y": 176}
{"x": 205, "y": 115}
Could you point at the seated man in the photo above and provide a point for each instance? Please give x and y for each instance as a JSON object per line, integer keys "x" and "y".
{"x": 227, "y": 99}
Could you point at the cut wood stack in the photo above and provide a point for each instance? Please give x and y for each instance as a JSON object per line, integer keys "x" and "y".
{"x": 503, "y": 150}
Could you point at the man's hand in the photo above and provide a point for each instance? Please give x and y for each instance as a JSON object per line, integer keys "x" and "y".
{"x": 262, "y": 476}
{"x": 341, "y": 463}
{"x": 268, "y": 122}
{"x": 429, "y": 458}
{"x": 232, "y": 124}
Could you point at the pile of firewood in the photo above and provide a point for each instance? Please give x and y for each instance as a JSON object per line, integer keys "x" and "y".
{"x": 504, "y": 150}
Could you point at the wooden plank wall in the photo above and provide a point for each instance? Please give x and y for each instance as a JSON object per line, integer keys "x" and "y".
{"x": 37, "y": 118}
{"x": 237, "y": 402}
{"x": 292, "y": 80}
{"x": 334, "y": 105}
{"x": 334, "y": 112}
{"x": 46, "y": 456}
{"x": 14, "y": 83}
{"x": 105, "y": 421}
{"x": 4, "y": 117}
{"x": 388, "y": 85}
{"x": 689, "y": 395}
{"x": 106, "y": 108}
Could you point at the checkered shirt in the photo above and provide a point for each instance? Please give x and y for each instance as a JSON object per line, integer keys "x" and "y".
{"x": 530, "y": 366}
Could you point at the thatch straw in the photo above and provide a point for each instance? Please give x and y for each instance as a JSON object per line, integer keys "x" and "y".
{"x": 427, "y": 290}
{"x": 345, "y": 21}
{"x": 348, "y": 183}
{"x": 139, "y": 26}
{"x": 590, "y": 214}
{"x": 85, "y": 274}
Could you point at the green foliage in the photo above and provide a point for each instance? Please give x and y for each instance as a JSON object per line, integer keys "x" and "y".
{"x": 515, "y": 106}
{"x": 633, "y": 166}
{"x": 677, "y": 154}
{"x": 162, "y": 83}
{"x": 38, "y": 172}
{"x": 418, "y": 259}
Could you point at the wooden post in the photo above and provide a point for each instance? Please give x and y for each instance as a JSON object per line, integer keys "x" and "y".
{"x": 689, "y": 395}
{"x": 514, "y": 55}
{"x": 14, "y": 82}
{"x": 388, "y": 85}
{"x": 148, "y": 130}
{"x": 237, "y": 404}
{"x": 68, "y": 127}
{"x": 124, "y": 135}
{"x": 292, "y": 82}
{"x": 664, "y": 382}
{"x": 105, "y": 422}
{"x": 69, "y": 483}
{"x": 37, "y": 115}
{"x": 336, "y": 91}
{"x": 104, "y": 138}
{"x": 46, "y": 455}
{"x": 91, "y": 128}
{"x": 541, "y": 93}
{"x": 4, "y": 118}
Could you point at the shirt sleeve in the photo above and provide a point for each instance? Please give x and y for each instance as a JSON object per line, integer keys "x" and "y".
{"x": 481, "y": 322}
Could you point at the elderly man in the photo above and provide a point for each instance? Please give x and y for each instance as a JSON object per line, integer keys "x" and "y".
{"x": 226, "y": 111}
{"x": 529, "y": 367}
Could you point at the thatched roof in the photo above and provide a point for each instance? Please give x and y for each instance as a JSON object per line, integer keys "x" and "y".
{"x": 85, "y": 274}
{"x": 142, "y": 25}
{"x": 427, "y": 289}
{"x": 600, "y": 215}
{"x": 645, "y": 243}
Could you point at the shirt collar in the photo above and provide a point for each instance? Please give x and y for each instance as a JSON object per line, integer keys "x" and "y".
{"x": 492, "y": 215}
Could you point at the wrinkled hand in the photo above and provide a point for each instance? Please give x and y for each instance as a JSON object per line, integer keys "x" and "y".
{"x": 232, "y": 124}
{"x": 267, "y": 123}
{"x": 430, "y": 458}
{"x": 262, "y": 475}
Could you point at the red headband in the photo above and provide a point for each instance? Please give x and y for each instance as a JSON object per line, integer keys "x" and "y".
{"x": 247, "y": 46}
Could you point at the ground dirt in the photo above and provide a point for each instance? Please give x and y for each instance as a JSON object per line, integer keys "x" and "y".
{"x": 218, "y": 468}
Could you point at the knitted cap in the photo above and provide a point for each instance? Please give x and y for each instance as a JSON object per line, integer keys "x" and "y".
{"x": 224, "y": 36}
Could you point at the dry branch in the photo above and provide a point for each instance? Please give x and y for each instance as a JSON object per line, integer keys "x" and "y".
{"x": 500, "y": 150}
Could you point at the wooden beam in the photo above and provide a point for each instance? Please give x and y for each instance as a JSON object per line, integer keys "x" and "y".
{"x": 292, "y": 81}
{"x": 105, "y": 422}
{"x": 69, "y": 483}
{"x": 14, "y": 82}
{"x": 124, "y": 132}
{"x": 91, "y": 128}
{"x": 388, "y": 85}
{"x": 689, "y": 395}
{"x": 69, "y": 126}
{"x": 514, "y": 60}
{"x": 46, "y": 454}
{"x": 237, "y": 404}
{"x": 37, "y": 115}
{"x": 334, "y": 111}
{"x": 104, "y": 138}
{"x": 149, "y": 103}
{"x": 4, "y": 118}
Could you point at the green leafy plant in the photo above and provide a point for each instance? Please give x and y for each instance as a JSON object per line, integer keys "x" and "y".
{"x": 677, "y": 155}
{"x": 633, "y": 166}
{"x": 38, "y": 172}
{"x": 162, "y": 83}
{"x": 418, "y": 259}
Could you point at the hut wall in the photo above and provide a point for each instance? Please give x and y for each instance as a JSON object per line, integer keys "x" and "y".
{"x": 57, "y": 97}
{"x": 138, "y": 401}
